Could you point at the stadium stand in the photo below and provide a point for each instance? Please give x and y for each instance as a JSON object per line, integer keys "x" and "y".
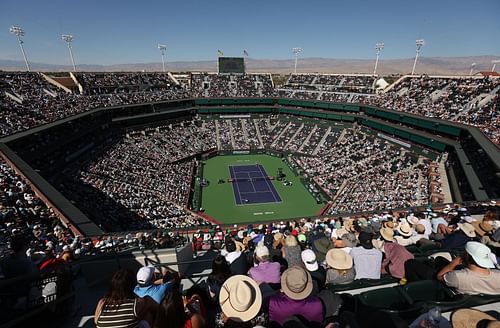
{"x": 139, "y": 179}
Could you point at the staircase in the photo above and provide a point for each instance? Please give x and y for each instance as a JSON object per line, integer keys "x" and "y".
{"x": 306, "y": 141}
{"x": 258, "y": 133}
{"x": 294, "y": 135}
{"x": 322, "y": 141}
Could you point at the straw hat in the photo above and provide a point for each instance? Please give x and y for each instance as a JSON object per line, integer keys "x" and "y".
{"x": 465, "y": 318}
{"x": 387, "y": 234}
{"x": 404, "y": 230}
{"x": 388, "y": 224}
{"x": 296, "y": 283}
{"x": 240, "y": 298}
{"x": 482, "y": 228}
{"x": 412, "y": 219}
{"x": 468, "y": 229}
{"x": 291, "y": 241}
{"x": 239, "y": 246}
{"x": 338, "y": 259}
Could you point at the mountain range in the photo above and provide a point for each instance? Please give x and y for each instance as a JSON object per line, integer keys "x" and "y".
{"x": 427, "y": 65}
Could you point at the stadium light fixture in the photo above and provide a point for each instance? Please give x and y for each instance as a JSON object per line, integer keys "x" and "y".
{"x": 296, "y": 52}
{"x": 68, "y": 39}
{"x": 378, "y": 49}
{"x": 494, "y": 62}
{"x": 162, "y": 48}
{"x": 19, "y": 33}
{"x": 419, "y": 43}
{"x": 472, "y": 68}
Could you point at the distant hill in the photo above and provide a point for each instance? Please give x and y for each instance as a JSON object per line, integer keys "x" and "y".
{"x": 428, "y": 65}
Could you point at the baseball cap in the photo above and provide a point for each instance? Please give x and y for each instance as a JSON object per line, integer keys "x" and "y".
{"x": 261, "y": 251}
{"x": 309, "y": 259}
{"x": 145, "y": 274}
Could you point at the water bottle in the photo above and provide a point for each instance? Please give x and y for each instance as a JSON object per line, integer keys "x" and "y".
{"x": 434, "y": 316}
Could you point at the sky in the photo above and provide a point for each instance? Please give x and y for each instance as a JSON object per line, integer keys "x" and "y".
{"x": 125, "y": 31}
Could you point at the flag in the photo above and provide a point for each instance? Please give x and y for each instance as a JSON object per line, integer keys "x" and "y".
{"x": 245, "y": 53}
{"x": 220, "y": 53}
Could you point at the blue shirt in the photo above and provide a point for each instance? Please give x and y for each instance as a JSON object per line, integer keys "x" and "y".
{"x": 156, "y": 292}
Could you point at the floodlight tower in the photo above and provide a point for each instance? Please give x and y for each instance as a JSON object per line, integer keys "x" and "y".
{"x": 296, "y": 52}
{"x": 162, "y": 48}
{"x": 378, "y": 49}
{"x": 472, "y": 68}
{"x": 419, "y": 43}
{"x": 68, "y": 39}
{"x": 494, "y": 62}
{"x": 19, "y": 32}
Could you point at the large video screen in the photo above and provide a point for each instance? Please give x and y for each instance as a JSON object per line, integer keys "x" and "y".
{"x": 231, "y": 65}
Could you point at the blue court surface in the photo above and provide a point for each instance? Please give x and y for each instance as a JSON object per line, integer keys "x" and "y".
{"x": 251, "y": 185}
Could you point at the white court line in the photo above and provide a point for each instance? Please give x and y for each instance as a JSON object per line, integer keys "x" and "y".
{"x": 237, "y": 189}
{"x": 267, "y": 182}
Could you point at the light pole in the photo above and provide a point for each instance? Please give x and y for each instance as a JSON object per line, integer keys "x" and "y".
{"x": 419, "y": 43}
{"x": 378, "y": 48}
{"x": 494, "y": 62}
{"x": 472, "y": 68}
{"x": 19, "y": 32}
{"x": 68, "y": 39}
{"x": 296, "y": 52}
{"x": 162, "y": 48}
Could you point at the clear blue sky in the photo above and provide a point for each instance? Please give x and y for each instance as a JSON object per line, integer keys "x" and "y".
{"x": 114, "y": 31}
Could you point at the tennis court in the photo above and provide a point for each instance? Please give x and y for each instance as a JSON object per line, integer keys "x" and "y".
{"x": 252, "y": 186}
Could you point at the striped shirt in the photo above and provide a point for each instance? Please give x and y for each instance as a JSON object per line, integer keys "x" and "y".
{"x": 118, "y": 316}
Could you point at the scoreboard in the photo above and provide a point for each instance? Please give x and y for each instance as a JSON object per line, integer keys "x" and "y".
{"x": 231, "y": 65}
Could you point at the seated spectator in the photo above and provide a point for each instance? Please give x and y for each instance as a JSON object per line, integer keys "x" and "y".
{"x": 265, "y": 271}
{"x": 220, "y": 273}
{"x": 237, "y": 262}
{"x": 459, "y": 237}
{"x": 405, "y": 235}
{"x": 478, "y": 276}
{"x": 147, "y": 285}
{"x": 395, "y": 255}
{"x": 465, "y": 318}
{"x": 340, "y": 267}
{"x": 240, "y": 300}
{"x": 175, "y": 313}
{"x": 316, "y": 271}
{"x": 291, "y": 251}
{"x": 120, "y": 307}
{"x": 367, "y": 259}
{"x": 321, "y": 245}
{"x": 295, "y": 298}
{"x": 17, "y": 264}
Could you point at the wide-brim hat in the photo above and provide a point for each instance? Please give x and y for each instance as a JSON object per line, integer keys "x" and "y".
{"x": 468, "y": 229}
{"x": 296, "y": 283}
{"x": 240, "y": 298}
{"x": 465, "y": 318}
{"x": 239, "y": 246}
{"x": 349, "y": 240}
{"x": 338, "y": 259}
{"x": 387, "y": 234}
{"x": 322, "y": 246}
{"x": 404, "y": 230}
{"x": 480, "y": 253}
{"x": 412, "y": 220}
{"x": 482, "y": 228}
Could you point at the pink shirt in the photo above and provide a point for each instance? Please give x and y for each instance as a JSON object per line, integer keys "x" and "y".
{"x": 395, "y": 257}
{"x": 266, "y": 272}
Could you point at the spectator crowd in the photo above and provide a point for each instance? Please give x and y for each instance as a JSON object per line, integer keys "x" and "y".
{"x": 285, "y": 274}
